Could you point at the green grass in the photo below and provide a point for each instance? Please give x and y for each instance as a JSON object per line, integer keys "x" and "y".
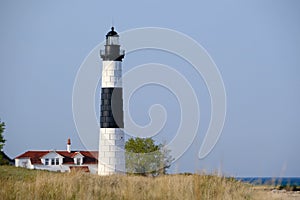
{"x": 19, "y": 183}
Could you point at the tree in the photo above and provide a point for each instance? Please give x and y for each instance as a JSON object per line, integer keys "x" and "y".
{"x": 166, "y": 158}
{"x": 144, "y": 157}
{"x": 2, "y": 141}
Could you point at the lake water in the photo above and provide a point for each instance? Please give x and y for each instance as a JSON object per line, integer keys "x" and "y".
{"x": 271, "y": 180}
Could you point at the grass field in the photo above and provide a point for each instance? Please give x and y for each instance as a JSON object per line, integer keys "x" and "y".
{"x": 19, "y": 183}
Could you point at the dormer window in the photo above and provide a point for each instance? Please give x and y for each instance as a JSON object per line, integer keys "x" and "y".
{"x": 52, "y": 158}
{"x": 78, "y": 158}
{"x": 78, "y": 161}
{"x": 51, "y": 161}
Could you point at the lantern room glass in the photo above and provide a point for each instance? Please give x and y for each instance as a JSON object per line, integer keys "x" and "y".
{"x": 112, "y": 40}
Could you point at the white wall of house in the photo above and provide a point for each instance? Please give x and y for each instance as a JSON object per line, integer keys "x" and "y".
{"x": 93, "y": 168}
{"x": 55, "y": 168}
{"x": 24, "y": 162}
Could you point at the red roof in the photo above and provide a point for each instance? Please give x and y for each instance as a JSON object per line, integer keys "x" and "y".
{"x": 90, "y": 157}
{"x": 35, "y": 156}
{"x": 80, "y": 168}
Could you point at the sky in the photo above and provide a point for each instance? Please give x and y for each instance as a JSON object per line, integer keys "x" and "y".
{"x": 255, "y": 45}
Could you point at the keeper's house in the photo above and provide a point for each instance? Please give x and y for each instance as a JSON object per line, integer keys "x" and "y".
{"x": 60, "y": 161}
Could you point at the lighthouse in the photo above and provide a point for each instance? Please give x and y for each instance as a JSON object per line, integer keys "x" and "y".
{"x": 112, "y": 143}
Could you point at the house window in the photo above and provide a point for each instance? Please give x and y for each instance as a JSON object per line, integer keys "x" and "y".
{"x": 24, "y": 163}
{"x": 51, "y": 161}
{"x": 77, "y": 161}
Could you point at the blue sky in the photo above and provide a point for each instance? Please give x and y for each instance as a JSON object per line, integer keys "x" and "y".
{"x": 255, "y": 45}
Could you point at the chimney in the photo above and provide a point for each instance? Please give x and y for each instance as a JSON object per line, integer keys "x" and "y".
{"x": 69, "y": 145}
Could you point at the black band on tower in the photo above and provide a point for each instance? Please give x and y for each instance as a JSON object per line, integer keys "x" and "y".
{"x": 111, "y": 108}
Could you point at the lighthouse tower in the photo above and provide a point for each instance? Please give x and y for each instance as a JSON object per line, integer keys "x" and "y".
{"x": 111, "y": 146}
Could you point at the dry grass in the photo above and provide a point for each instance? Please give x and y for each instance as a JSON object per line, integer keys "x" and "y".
{"x": 17, "y": 183}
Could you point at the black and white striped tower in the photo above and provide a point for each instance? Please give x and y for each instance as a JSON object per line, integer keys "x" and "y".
{"x": 111, "y": 145}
